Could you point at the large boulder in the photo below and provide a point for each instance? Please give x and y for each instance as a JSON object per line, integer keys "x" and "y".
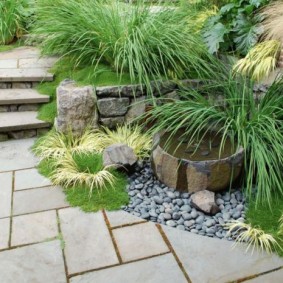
{"x": 109, "y": 107}
{"x": 205, "y": 201}
{"x": 119, "y": 154}
{"x": 76, "y": 108}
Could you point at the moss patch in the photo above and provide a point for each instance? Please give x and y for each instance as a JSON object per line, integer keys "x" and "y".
{"x": 83, "y": 75}
{"x": 267, "y": 218}
{"x": 110, "y": 198}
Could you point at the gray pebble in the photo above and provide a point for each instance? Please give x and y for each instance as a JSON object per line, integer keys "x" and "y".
{"x": 167, "y": 216}
{"x": 171, "y": 223}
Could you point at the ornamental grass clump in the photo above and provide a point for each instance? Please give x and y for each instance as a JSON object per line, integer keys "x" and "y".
{"x": 254, "y": 237}
{"x": 131, "y": 135}
{"x": 260, "y": 61}
{"x": 56, "y": 145}
{"x": 13, "y": 14}
{"x": 130, "y": 38}
{"x": 255, "y": 126}
{"x": 80, "y": 169}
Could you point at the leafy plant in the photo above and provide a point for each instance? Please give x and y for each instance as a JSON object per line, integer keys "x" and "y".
{"x": 13, "y": 14}
{"x": 273, "y": 21}
{"x": 255, "y": 238}
{"x": 236, "y": 27}
{"x": 130, "y": 38}
{"x": 260, "y": 61}
{"x": 132, "y": 135}
{"x": 255, "y": 127}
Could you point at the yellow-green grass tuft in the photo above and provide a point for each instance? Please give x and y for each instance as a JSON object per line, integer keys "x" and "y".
{"x": 254, "y": 237}
{"x": 260, "y": 61}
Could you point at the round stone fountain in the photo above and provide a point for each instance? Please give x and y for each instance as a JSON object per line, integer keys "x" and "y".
{"x": 195, "y": 167}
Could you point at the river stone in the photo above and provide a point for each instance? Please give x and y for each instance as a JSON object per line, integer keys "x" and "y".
{"x": 76, "y": 108}
{"x": 119, "y": 154}
{"x": 205, "y": 201}
{"x": 109, "y": 107}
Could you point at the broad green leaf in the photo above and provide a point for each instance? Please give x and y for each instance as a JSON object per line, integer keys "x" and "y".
{"x": 214, "y": 36}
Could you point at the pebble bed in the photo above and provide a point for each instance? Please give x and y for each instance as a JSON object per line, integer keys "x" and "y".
{"x": 152, "y": 200}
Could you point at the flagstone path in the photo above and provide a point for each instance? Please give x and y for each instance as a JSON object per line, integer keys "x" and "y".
{"x": 43, "y": 240}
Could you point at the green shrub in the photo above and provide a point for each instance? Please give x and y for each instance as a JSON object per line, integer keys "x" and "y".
{"x": 130, "y": 38}
{"x": 256, "y": 127}
{"x": 236, "y": 27}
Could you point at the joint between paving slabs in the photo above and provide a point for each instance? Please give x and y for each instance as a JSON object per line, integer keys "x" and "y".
{"x": 62, "y": 246}
{"x": 115, "y": 265}
{"x": 11, "y": 211}
{"x": 256, "y": 275}
{"x": 128, "y": 225}
{"x": 112, "y": 236}
{"x": 22, "y": 169}
{"x": 167, "y": 242}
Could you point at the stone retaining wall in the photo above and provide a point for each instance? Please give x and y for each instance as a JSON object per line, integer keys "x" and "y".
{"x": 113, "y": 105}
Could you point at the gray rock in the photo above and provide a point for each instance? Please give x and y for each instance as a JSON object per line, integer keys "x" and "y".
{"x": 112, "y": 122}
{"x": 186, "y": 207}
{"x": 157, "y": 199}
{"x": 111, "y": 107}
{"x": 219, "y": 201}
{"x": 200, "y": 219}
{"x": 181, "y": 227}
{"x": 136, "y": 109}
{"x": 171, "y": 223}
{"x": 167, "y": 216}
{"x": 205, "y": 201}
{"x": 76, "y": 108}
{"x": 119, "y": 154}
{"x": 171, "y": 195}
{"x": 189, "y": 223}
{"x": 194, "y": 213}
{"x": 186, "y": 216}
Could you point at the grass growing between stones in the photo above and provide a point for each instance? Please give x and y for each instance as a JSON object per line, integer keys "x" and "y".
{"x": 267, "y": 219}
{"x": 83, "y": 75}
{"x": 111, "y": 197}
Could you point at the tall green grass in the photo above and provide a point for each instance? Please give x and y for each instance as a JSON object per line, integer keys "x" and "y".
{"x": 256, "y": 127}
{"x": 129, "y": 38}
{"x": 13, "y": 15}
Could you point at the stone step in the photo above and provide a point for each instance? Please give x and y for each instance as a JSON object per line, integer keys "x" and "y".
{"x": 21, "y": 96}
{"x": 19, "y": 121}
{"x": 25, "y": 75}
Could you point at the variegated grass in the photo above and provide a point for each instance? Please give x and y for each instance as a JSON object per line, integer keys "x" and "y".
{"x": 254, "y": 237}
{"x": 56, "y": 145}
{"x": 77, "y": 169}
{"x": 260, "y": 61}
{"x": 131, "y": 135}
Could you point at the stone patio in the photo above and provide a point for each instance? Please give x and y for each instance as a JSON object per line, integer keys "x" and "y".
{"x": 44, "y": 240}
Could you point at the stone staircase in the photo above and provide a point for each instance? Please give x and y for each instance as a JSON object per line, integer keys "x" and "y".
{"x": 20, "y": 71}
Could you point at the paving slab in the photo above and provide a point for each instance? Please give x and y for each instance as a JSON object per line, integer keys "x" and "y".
{"x": 8, "y": 63}
{"x": 21, "y": 96}
{"x": 88, "y": 244}
{"x": 39, "y": 263}
{"x": 25, "y": 75}
{"x": 40, "y": 199}
{"x": 20, "y": 52}
{"x": 160, "y": 269}
{"x": 216, "y": 257}
{"x": 6, "y": 180}
{"x": 16, "y": 121}
{"x": 120, "y": 218}
{"x": 139, "y": 241}
{"x": 30, "y": 178}
{"x": 43, "y": 62}
{"x": 33, "y": 228}
{"x": 16, "y": 154}
{"x": 4, "y": 233}
{"x": 272, "y": 277}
